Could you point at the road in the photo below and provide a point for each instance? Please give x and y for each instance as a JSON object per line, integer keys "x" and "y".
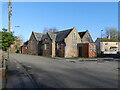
{"x": 61, "y": 73}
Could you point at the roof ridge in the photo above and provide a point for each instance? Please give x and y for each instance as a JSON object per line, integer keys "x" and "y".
{"x": 83, "y": 31}
{"x": 63, "y": 30}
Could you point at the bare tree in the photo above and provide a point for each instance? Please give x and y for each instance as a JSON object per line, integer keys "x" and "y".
{"x": 50, "y": 30}
{"x": 112, "y": 32}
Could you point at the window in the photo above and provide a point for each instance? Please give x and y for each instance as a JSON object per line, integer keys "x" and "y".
{"x": 59, "y": 46}
{"x": 47, "y": 46}
{"x": 87, "y": 38}
{"x": 46, "y": 39}
{"x": 32, "y": 45}
{"x": 94, "y": 46}
{"x": 74, "y": 36}
{"x": 106, "y": 43}
{"x": 91, "y": 48}
{"x": 106, "y": 49}
{"x": 113, "y": 49}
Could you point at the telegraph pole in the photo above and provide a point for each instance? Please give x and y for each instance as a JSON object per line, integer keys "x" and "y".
{"x": 9, "y": 20}
{"x": 9, "y": 15}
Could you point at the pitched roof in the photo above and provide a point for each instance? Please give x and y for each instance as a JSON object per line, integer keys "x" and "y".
{"x": 82, "y": 33}
{"x": 52, "y": 35}
{"x": 38, "y": 36}
{"x": 61, "y": 35}
{"x": 26, "y": 43}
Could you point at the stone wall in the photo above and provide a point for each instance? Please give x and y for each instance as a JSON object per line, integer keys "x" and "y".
{"x": 60, "y": 52}
{"x": 33, "y": 45}
{"x": 46, "y": 40}
{"x": 71, "y": 44}
{"x": 88, "y": 40}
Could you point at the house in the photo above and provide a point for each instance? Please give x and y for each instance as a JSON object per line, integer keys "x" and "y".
{"x": 24, "y": 48}
{"x": 34, "y": 44}
{"x": 87, "y": 50}
{"x": 107, "y": 46}
{"x": 48, "y": 44}
{"x": 17, "y": 44}
{"x": 86, "y": 37}
{"x": 62, "y": 43}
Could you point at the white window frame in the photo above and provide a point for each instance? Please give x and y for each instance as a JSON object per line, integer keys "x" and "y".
{"x": 47, "y": 46}
{"x": 59, "y": 46}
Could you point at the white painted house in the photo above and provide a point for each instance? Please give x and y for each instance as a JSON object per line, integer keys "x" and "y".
{"x": 108, "y": 46}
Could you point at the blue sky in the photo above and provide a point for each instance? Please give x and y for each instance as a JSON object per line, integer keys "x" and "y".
{"x": 35, "y": 16}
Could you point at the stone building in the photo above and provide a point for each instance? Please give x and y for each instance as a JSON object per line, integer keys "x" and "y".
{"x": 63, "y": 43}
{"x": 34, "y": 44}
{"x": 24, "y": 48}
{"x": 17, "y": 44}
{"x": 86, "y": 37}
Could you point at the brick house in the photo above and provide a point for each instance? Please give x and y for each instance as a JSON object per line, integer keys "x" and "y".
{"x": 48, "y": 44}
{"x": 86, "y": 37}
{"x": 62, "y": 43}
{"x": 24, "y": 48}
{"x": 34, "y": 44}
{"x": 87, "y": 50}
{"x": 17, "y": 44}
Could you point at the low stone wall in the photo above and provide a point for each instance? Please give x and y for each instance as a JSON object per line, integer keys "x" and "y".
{"x": 2, "y": 77}
{"x": 0, "y": 58}
{"x": 3, "y": 56}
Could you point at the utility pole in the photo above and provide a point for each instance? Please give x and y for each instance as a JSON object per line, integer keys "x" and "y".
{"x": 101, "y": 43}
{"x": 9, "y": 15}
{"x": 9, "y": 20}
{"x": 101, "y": 35}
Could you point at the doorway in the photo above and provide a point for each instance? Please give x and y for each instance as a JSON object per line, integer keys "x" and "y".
{"x": 80, "y": 51}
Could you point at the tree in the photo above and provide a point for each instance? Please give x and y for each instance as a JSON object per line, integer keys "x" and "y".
{"x": 112, "y": 32}
{"x": 6, "y": 39}
{"x": 18, "y": 42}
{"x": 50, "y": 30}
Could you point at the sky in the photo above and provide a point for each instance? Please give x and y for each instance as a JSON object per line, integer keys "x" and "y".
{"x": 36, "y": 16}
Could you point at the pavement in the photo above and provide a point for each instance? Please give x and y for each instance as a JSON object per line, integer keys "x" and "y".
{"x": 0, "y": 78}
{"x": 2, "y": 69}
{"x": 61, "y": 73}
{"x": 18, "y": 75}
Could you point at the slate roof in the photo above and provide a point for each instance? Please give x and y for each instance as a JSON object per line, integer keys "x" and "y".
{"x": 60, "y": 35}
{"x": 56, "y": 36}
{"x": 38, "y": 36}
{"x": 52, "y": 35}
{"x": 26, "y": 43}
{"x": 82, "y": 33}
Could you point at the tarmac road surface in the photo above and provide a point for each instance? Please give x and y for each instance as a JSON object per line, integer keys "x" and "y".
{"x": 61, "y": 73}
